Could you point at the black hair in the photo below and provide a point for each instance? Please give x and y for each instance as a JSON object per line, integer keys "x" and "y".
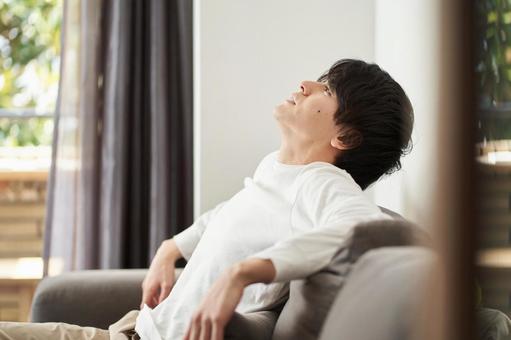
{"x": 375, "y": 118}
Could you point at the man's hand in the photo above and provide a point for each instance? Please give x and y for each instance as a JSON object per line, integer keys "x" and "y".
{"x": 216, "y": 309}
{"x": 160, "y": 278}
{"x": 219, "y": 304}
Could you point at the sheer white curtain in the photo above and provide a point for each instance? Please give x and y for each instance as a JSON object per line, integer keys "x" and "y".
{"x": 75, "y": 142}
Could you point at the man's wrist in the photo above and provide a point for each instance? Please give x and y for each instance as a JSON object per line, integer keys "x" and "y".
{"x": 254, "y": 270}
{"x": 170, "y": 250}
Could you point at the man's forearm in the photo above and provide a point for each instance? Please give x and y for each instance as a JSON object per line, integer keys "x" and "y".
{"x": 170, "y": 250}
{"x": 254, "y": 270}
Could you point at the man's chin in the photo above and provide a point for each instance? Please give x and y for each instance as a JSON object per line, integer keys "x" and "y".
{"x": 277, "y": 115}
{"x": 279, "y": 111}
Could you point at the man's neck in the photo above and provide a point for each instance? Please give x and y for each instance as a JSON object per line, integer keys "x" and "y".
{"x": 305, "y": 153}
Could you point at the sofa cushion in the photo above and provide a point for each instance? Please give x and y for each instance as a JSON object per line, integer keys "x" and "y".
{"x": 310, "y": 299}
{"x": 251, "y": 326}
{"x": 382, "y": 298}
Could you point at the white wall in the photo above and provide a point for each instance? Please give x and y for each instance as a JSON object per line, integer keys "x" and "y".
{"x": 407, "y": 46}
{"x": 249, "y": 55}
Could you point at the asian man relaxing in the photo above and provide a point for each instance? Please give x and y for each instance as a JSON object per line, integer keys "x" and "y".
{"x": 339, "y": 134}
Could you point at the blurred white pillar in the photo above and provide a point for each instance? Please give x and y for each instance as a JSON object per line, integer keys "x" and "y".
{"x": 407, "y": 46}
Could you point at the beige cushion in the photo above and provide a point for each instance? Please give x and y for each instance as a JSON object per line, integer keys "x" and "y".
{"x": 383, "y": 296}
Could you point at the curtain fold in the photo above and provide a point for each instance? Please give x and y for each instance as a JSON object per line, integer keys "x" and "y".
{"x": 122, "y": 173}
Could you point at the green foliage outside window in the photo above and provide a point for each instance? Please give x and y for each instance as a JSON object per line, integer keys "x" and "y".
{"x": 494, "y": 51}
{"x": 29, "y": 68}
{"x": 26, "y": 131}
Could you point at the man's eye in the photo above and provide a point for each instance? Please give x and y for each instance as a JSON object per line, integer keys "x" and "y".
{"x": 327, "y": 91}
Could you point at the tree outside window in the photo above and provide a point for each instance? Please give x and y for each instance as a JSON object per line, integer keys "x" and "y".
{"x": 29, "y": 70}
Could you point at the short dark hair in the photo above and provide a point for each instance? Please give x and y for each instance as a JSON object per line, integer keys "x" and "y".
{"x": 375, "y": 117}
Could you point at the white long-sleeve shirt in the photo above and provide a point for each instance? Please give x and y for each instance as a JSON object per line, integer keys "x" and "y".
{"x": 294, "y": 215}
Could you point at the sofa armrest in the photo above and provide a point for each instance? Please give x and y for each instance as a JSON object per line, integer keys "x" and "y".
{"x": 95, "y": 298}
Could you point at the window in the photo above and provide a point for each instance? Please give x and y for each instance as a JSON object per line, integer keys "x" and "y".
{"x": 29, "y": 75}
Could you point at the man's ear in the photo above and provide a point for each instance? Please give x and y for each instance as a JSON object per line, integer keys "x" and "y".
{"x": 347, "y": 139}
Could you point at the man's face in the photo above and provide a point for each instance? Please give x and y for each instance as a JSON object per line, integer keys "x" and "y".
{"x": 309, "y": 112}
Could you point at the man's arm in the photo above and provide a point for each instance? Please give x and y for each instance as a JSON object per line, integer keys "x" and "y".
{"x": 160, "y": 277}
{"x": 218, "y": 306}
{"x": 330, "y": 204}
{"x": 254, "y": 271}
{"x": 293, "y": 258}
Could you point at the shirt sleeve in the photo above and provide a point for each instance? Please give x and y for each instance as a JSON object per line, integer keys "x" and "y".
{"x": 332, "y": 205}
{"x": 187, "y": 240}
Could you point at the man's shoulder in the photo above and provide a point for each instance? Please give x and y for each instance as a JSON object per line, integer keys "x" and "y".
{"x": 265, "y": 163}
{"x": 327, "y": 194}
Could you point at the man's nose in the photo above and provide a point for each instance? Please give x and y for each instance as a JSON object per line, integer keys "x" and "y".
{"x": 307, "y": 87}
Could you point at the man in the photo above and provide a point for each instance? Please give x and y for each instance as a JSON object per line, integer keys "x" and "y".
{"x": 339, "y": 135}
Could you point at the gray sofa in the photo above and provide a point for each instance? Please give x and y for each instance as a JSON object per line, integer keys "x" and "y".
{"x": 371, "y": 290}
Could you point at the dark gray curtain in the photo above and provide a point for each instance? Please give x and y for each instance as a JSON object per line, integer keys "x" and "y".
{"x": 121, "y": 177}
